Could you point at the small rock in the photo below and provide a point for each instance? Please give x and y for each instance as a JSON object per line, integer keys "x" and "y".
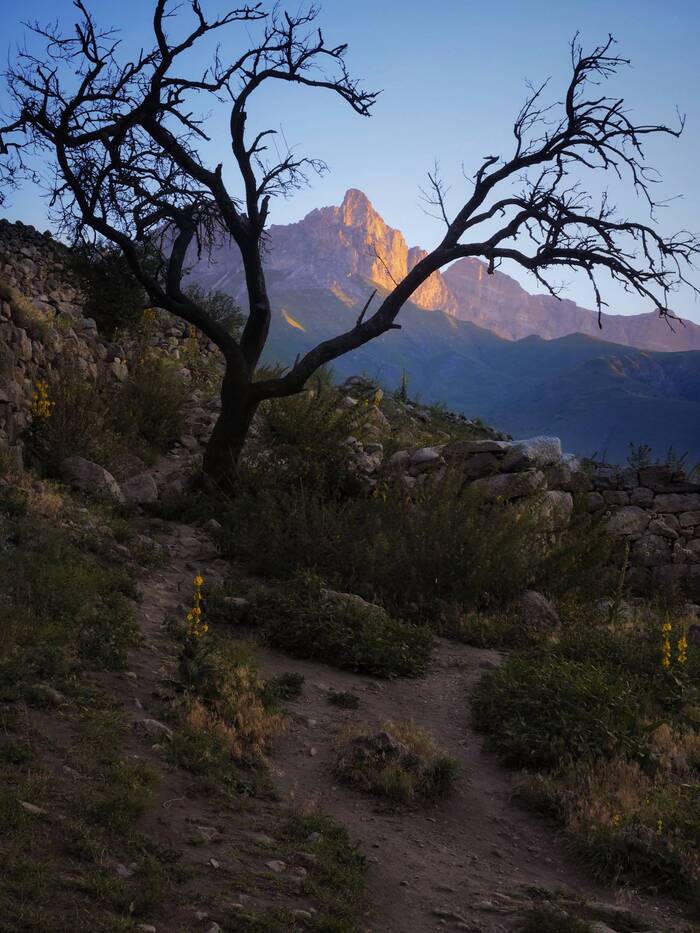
{"x": 90, "y": 477}
{"x": 124, "y": 871}
{"x": 215, "y": 863}
{"x": 276, "y": 865}
{"x": 155, "y": 729}
{"x": 32, "y": 808}
{"x": 313, "y": 838}
{"x": 214, "y": 928}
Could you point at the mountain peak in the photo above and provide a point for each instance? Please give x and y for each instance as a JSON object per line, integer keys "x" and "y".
{"x": 356, "y": 209}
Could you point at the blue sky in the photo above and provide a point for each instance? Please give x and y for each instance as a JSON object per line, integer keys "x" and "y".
{"x": 452, "y": 74}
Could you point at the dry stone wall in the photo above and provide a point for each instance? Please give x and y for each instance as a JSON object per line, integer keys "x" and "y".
{"x": 42, "y": 328}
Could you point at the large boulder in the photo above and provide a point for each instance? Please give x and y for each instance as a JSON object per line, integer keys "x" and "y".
{"x": 509, "y": 485}
{"x": 535, "y": 612}
{"x": 91, "y": 478}
{"x": 532, "y": 452}
{"x": 140, "y": 489}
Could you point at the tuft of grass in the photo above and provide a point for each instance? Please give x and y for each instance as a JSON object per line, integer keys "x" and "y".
{"x": 287, "y": 686}
{"x": 344, "y": 698}
{"x": 401, "y": 763}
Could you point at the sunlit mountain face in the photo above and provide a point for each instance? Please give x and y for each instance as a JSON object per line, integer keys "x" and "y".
{"x": 349, "y": 248}
{"x": 475, "y": 342}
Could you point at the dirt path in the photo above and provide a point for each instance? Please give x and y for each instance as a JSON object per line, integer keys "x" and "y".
{"x": 466, "y": 863}
{"x": 463, "y": 864}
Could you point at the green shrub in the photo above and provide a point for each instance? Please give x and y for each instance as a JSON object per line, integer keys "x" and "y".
{"x": 411, "y": 552}
{"x": 303, "y": 438}
{"x": 540, "y": 710}
{"x": 150, "y": 404}
{"x": 299, "y": 619}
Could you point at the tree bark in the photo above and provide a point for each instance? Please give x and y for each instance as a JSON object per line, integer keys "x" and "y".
{"x": 222, "y": 456}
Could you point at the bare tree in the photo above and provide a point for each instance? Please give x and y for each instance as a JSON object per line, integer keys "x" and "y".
{"x": 126, "y": 143}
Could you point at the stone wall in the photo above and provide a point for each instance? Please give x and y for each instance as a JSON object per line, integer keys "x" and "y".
{"x": 656, "y": 508}
{"x": 42, "y": 327}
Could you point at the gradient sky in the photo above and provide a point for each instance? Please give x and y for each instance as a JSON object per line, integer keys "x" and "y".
{"x": 452, "y": 74}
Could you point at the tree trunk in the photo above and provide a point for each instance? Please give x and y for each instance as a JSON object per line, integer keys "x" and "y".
{"x": 221, "y": 464}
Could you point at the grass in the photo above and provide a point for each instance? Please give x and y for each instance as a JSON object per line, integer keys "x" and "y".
{"x": 611, "y": 742}
{"x": 345, "y": 699}
{"x": 400, "y": 764}
{"x": 298, "y": 617}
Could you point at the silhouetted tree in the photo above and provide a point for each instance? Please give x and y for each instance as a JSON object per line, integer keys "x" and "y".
{"x": 125, "y": 139}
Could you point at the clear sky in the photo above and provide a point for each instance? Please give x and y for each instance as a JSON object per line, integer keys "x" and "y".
{"x": 452, "y": 74}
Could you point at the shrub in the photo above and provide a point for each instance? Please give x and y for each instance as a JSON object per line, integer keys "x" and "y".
{"x": 113, "y": 297}
{"x": 221, "y": 307}
{"x": 150, "y": 404}
{"x": 303, "y": 440}
{"x": 542, "y": 709}
{"x": 401, "y": 763}
{"x": 76, "y": 425}
{"x": 412, "y": 552}
{"x": 299, "y": 619}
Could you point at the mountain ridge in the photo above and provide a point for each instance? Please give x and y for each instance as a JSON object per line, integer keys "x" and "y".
{"x": 349, "y": 248}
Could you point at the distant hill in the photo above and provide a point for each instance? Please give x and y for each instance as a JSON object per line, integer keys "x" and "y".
{"x": 596, "y": 396}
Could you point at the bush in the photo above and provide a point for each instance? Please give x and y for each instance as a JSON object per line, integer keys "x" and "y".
{"x": 150, "y": 404}
{"x": 303, "y": 440}
{"x": 299, "y": 619}
{"x": 219, "y": 306}
{"x": 401, "y": 763}
{"x": 540, "y": 710}
{"x": 79, "y": 424}
{"x": 411, "y": 552}
{"x": 113, "y": 297}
